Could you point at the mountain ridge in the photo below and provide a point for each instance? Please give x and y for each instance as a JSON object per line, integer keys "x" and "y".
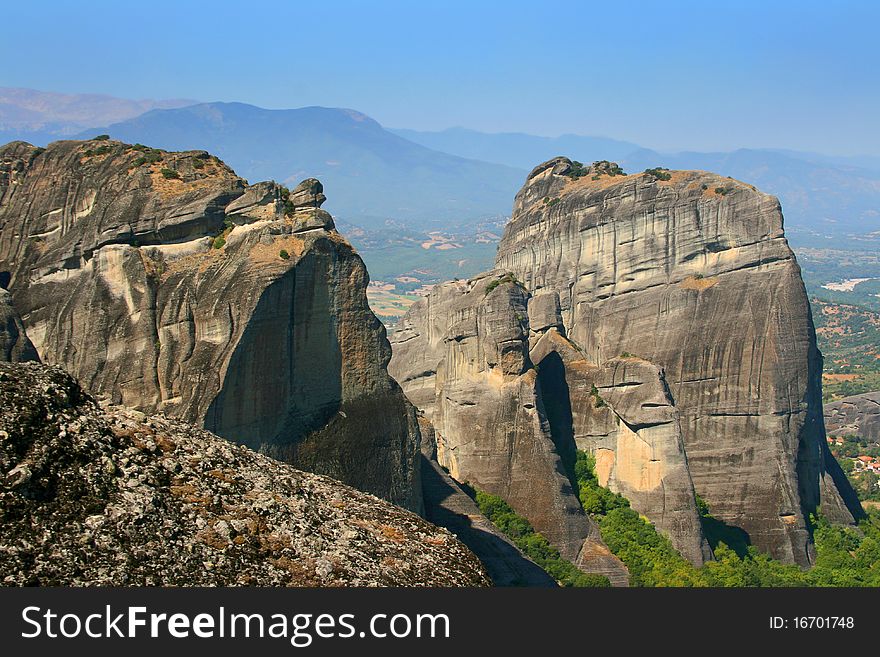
{"x": 42, "y": 116}
{"x": 369, "y": 171}
{"x": 432, "y": 178}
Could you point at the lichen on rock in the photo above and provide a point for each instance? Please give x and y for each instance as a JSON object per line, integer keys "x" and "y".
{"x": 108, "y": 496}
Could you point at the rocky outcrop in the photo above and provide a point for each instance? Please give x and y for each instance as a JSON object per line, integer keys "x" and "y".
{"x": 164, "y": 282}
{"x": 691, "y": 273}
{"x": 858, "y": 415}
{"x": 671, "y": 337}
{"x": 462, "y": 355}
{"x": 447, "y": 505}
{"x": 111, "y": 497}
{"x": 623, "y": 414}
{"x": 15, "y": 346}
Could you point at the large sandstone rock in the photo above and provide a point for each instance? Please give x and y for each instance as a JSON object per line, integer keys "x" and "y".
{"x": 623, "y": 414}
{"x": 110, "y": 497}
{"x": 163, "y": 282}
{"x": 858, "y": 415}
{"x": 691, "y": 272}
{"x": 462, "y": 356}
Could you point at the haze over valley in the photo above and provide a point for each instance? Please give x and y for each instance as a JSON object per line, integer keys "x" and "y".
{"x": 389, "y": 297}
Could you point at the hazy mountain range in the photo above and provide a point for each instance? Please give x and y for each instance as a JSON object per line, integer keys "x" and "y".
{"x": 42, "y": 116}
{"x": 823, "y": 196}
{"x": 434, "y": 179}
{"x": 369, "y": 173}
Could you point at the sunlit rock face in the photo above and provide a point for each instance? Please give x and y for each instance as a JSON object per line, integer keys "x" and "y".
{"x": 164, "y": 282}
{"x": 462, "y": 355}
{"x": 691, "y": 272}
{"x": 657, "y": 321}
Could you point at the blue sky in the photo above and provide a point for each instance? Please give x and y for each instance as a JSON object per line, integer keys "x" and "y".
{"x": 665, "y": 74}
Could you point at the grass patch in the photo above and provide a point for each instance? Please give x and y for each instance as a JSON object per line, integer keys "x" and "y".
{"x": 507, "y": 278}
{"x": 533, "y": 544}
{"x": 845, "y": 556}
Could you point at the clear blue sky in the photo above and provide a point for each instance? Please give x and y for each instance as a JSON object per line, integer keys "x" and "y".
{"x": 665, "y": 74}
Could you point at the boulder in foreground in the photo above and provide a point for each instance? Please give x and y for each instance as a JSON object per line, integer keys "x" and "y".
{"x": 111, "y": 497}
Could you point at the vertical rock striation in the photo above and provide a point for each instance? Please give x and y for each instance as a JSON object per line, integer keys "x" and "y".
{"x": 691, "y": 272}
{"x": 623, "y": 414}
{"x": 164, "y": 282}
{"x": 15, "y": 347}
{"x": 671, "y": 337}
{"x": 462, "y": 355}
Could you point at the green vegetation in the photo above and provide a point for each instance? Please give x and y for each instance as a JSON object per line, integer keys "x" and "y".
{"x": 507, "y": 278}
{"x": 863, "y": 481}
{"x": 595, "y": 499}
{"x": 659, "y": 173}
{"x": 169, "y": 173}
{"x": 101, "y": 150}
{"x": 101, "y": 138}
{"x": 550, "y": 202}
{"x": 287, "y": 204}
{"x": 723, "y": 191}
{"x": 577, "y": 170}
{"x": 283, "y": 254}
{"x": 598, "y": 168}
{"x": 533, "y": 544}
{"x": 198, "y": 164}
{"x": 863, "y": 380}
{"x": 854, "y": 446}
{"x": 220, "y": 239}
{"x": 845, "y": 556}
{"x": 150, "y": 155}
{"x": 849, "y": 338}
{"x": 598, "y": 402}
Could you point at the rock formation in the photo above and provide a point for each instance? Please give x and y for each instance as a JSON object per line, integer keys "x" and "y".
{"x": 447, "y": 505}
{"x": 15, "y": 346}
{"x": 673, "y": 339}
{"x": 111, "y": 497}
{"x": 164, "y": 282}
{"x": 692, "y": 272}
{"x": 468, "y": 341}
{"x": 858, "y": 415}
{"x": 623, "y": 414}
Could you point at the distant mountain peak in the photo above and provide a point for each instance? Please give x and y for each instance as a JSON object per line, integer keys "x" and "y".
{"x": 31, "y": 109}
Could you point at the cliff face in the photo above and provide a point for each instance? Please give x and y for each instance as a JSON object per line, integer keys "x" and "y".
{"x": 110, "y": 497}
{"x": 164, "y": 282}
{"x": 15, "y": 346}
{"x": 463, "y": 355}
{"x": 623, "y": 414}
{"x": 670, "y": 336}
{"x": 691, "y": 272}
